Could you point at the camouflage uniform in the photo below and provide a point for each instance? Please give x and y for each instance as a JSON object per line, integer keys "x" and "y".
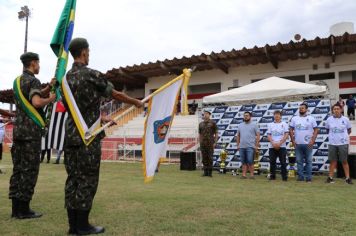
{"x": 207, "y": 130}
{"x": 26, "y": 147}
{"x": 82, "y": 162}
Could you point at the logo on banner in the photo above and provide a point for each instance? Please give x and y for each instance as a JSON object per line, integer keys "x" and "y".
{"x": 257, "y": 113}
{"x": 222, "y": 127}
{"x": 217, "y": 115}
{"x": 323, "y": 131}
{"x": 261, "y": 107}
{"x": 229, "y": 133}
{"x": 161, "y": 129}
{"x": 324, "y": 103}
{"x": 247, "y": 108}
{"x": 237, "y": 121}
{"x": 292, "y": 105}
{"x": 289, "y": 112}
{"x": 277, "y": 106}
{"x": 229, "y": 115}
{"x": 233, "y": 109}
{"x": 220, "y": 109}
{"x": 232, "y": 126}
{"x": 224, "y": 122}
{"x": 312, "y": 103}
{"x": 266, "y": 120}
{"x": 321, "y": 110}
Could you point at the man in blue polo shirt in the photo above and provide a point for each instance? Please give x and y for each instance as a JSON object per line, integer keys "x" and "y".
{"x": 303, "y": 131}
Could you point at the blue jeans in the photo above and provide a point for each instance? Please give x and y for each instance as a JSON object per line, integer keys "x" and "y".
{"x": 246, "y": 155}
{"x": 304, "y": 153}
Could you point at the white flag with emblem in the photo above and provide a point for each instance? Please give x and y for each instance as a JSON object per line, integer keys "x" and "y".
{"x": 161, "y": 108}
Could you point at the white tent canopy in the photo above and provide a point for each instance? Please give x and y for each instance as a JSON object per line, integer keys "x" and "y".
{"x": 270, "y": 89}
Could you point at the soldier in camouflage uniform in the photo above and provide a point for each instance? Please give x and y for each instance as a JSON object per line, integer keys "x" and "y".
{"x": 82, "y": 162}
{"x": 208, "y": 135}
{"x": 26, "y": 147}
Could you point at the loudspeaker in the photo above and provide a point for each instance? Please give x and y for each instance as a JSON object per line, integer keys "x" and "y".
{"x": 187, "y": 161}
{"x": 352, "y": 166}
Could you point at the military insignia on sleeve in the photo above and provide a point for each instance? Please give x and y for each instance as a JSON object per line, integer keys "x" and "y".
{"x": 161, "y": 128}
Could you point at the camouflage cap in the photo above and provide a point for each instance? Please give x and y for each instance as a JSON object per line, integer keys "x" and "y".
{"x": 78, "y": 44}
{"x": 29, "y": 56}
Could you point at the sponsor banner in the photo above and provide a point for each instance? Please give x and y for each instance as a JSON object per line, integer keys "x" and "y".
{"x": 228, "y": 119}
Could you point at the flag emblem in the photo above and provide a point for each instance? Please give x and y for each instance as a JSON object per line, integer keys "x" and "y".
{"x": 161, "y": 129}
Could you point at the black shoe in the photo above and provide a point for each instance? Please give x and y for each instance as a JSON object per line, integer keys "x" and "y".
{"x": 15, "y": 208}
{"x": 285, "y": 179}
{"x": 72, "y": 221}
{"x": 210, "y": 172}
{"x": 348, "y": 181}
{"x": 271, "y": 177}
{"x": 83, "y": 226}
{"x": 47, "y": 161}
{"x": 205, "y": 173}
{"x": 25, "y": 212}
{"x": 329, "y": 180}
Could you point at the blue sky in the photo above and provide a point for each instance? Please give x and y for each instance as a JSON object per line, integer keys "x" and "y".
{"x": 128, "y": 32}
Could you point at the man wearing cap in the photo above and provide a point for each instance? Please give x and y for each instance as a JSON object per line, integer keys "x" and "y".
{"x": 303, "y": 132}
{"x": 208, "y": 136}
{"x": 82, "y": 162}
{"x": 27, "y": 133}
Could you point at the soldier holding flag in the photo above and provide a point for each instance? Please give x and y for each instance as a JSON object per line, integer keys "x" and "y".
{"x": 82, "y": 159}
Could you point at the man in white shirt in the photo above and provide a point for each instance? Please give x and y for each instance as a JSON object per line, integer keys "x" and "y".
{"x": 277, "y": 135}
{"x": 339, "y": 129}
{"x": 303, "y": 131}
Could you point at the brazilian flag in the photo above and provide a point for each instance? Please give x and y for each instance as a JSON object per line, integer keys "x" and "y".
{"x": 62, "y": 37}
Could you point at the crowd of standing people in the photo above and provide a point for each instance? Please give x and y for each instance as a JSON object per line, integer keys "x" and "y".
{"x": 302, "y": 130}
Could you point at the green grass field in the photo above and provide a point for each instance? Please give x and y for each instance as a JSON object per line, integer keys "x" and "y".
{"x": 183, "y": 203}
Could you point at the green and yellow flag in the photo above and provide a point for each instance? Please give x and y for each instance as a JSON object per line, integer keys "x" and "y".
{"x": 62, "y": 37}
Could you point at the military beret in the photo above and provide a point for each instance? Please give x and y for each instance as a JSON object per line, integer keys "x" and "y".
{"x": 78, "y": 44}
{"x": 29, "y": 56}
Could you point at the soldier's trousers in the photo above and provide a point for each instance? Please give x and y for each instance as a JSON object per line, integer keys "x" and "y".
{"x": 26, "y": 165}
{"x": 207, "y": 152}
{"x": 82, "y": 164}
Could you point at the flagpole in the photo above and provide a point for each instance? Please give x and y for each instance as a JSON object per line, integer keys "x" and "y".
{"x": 186, "y": 73}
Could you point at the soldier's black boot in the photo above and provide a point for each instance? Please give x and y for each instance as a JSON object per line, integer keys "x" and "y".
{"x": 72, "y": 220}
{"x": 210, "y": 172}
{"x": 25, "y": 211}
{"x": 15, "y": 207}
{"x": 205, "y": 173}
{"x": 83, "y": 226}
